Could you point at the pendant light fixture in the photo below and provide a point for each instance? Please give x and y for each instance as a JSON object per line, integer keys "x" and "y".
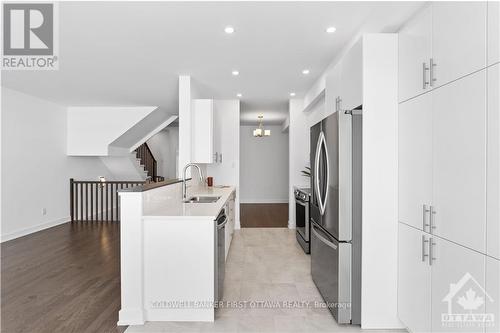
{"x": 260, "y": 132}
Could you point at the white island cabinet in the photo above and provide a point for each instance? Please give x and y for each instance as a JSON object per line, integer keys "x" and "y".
{"x": 168, "y": 253}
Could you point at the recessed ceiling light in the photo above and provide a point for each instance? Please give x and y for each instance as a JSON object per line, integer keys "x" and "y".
{"x": 239, "y": 95}
{"x": 235, "y": 73}
{"x": 305, "y": 71}
{"x": 229, "y": 29}
{"x": 331, "y": 30}
{"x": 292, "y": 94}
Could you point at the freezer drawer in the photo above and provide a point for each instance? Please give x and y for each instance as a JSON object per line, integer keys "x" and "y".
{"x": 331, "y": 272}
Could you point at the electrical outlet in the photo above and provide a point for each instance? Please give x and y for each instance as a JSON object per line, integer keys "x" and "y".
{"x": 44, "y": 211}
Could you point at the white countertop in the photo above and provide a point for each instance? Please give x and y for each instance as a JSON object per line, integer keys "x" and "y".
{"x": 172, "y": 207}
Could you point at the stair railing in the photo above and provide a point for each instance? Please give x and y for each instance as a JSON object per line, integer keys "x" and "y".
{"x": 96, "y": 201}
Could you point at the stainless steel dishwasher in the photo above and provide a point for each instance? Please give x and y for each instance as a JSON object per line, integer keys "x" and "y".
{"x": 220, "y": 254}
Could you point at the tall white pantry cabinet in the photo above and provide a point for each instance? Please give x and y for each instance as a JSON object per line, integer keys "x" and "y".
{"x": 449, "y": 169}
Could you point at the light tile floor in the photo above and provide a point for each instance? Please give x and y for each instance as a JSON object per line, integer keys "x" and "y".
{"x": 264, "y": 264}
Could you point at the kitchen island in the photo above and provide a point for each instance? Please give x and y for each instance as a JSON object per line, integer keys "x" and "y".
{"x": 168, "y": 252}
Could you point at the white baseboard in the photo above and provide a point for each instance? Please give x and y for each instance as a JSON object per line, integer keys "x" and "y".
{"x": 35, "y": 228}
{"x": 130, "y": 316}
{"x": 264, "y": 201}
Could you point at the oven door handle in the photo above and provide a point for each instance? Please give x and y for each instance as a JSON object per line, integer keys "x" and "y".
{"x": 221, "y": 222}
{"x": 323, "y": 239}
{"x": 300, "y": 202}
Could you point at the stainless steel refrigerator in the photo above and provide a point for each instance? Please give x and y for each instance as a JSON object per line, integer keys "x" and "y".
{"x": 336, "y": 242}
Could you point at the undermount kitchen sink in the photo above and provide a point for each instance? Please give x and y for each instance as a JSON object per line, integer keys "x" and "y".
{"x": 202, "y": 199}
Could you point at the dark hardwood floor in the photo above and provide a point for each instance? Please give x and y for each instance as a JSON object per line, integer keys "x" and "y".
{"x": 63, "y": 279}
{"x": 264, "y": 215}
{"x": 67, "y": 278}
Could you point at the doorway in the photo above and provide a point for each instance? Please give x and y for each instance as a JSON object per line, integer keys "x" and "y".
{"x": 264, "y": 178}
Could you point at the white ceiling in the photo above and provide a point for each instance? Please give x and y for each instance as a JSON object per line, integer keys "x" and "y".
{"x": 130, "y": 53}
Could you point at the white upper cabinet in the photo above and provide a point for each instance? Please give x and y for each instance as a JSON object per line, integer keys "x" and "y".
{"x": 493, "y": 189}
{"x": 459, "y": 161}
{"x": 219, "y": 128}
{"x": 415, "y": 51}
{"x": 332, "y": 89}
{"x": 458, "y": 40}
{"x": 351, "y": 90}
{"x": 492, "y": 287}
{"x": 415, "y": 161}
{"x": 414, "y": 279}
{"x": 202, "y": 131}
{"x": 493, "y": 32}
{"x": 455, "y": 271}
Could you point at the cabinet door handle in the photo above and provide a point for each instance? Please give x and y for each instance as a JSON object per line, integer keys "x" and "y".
{"x": 423, "y": 248}
{"x": 432, "y": 219}
{"x": 431, "y": 66}
{"x": 216, "y": 157}
{"x": 431, "y": 251}
{"x": 424, "y": 75}
{"x": 220, "y": 157}
{"x": 425, "y": 210}
{"x": 338, "y": 106}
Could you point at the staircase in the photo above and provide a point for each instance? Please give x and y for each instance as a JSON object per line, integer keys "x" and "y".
{"x": 148, "y": 162}
{"x": 118, "y": 138}
{"x": 98, "y": 200}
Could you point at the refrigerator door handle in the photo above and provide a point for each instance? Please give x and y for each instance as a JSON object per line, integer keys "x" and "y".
{"x": 323, "y": 239}
{"x": 316, "y": 170}
{"x": 319, "y": 148}
{"x": 327, "y": 180}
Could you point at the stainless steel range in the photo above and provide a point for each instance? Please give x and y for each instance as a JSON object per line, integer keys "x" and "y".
{"x": 302, "y": 222}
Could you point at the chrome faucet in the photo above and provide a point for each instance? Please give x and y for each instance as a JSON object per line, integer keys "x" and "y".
{"x": 184, "y": 187}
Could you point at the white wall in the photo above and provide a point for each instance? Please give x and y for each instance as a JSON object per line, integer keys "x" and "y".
{"x": 264, "y": 166}
{"x": 165, "y": 148}
{"x": 35, "y": 167}
{"x": 299, "y": 138}
{"x": 92, "y": 129}
{"x": 380, "y": 181}
{"x": 124, "y": 167}
{"x": 187, "y": 93}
